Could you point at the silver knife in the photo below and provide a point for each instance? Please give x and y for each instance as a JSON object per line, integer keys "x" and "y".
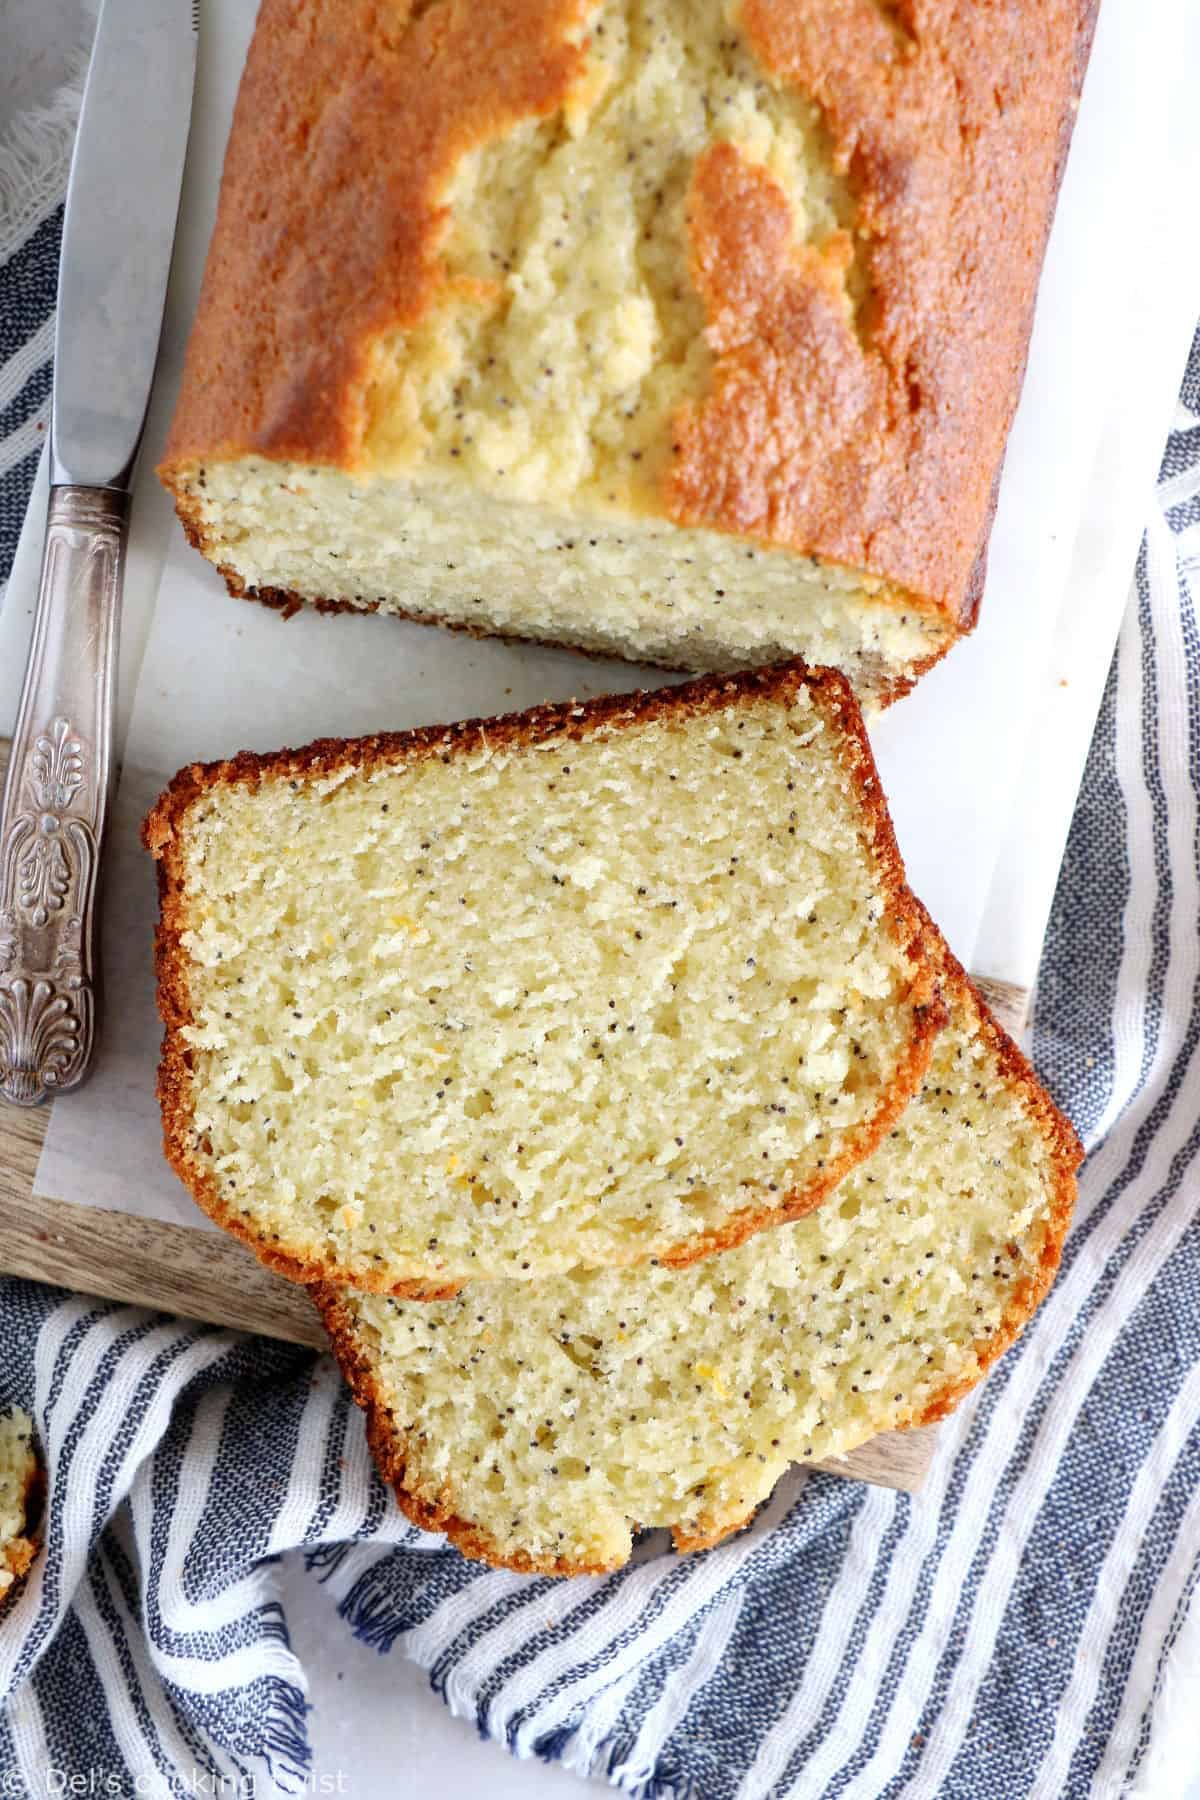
{"x": 118, "y": 232}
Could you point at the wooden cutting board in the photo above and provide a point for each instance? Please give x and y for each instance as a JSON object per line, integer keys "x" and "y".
{"x": 202, "y": 1274}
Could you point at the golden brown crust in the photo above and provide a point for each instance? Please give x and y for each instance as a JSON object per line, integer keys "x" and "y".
{"x": 1028, "y": 1293}
{"x": 931, "y": 1017}
{"x": 689, "y": 1538}
{"x": 868, "y": 437}
{"x": 386, "y": 1438}
{"x": 18, "y": 1554}
{"x": 876, "y": 438}
{"x": 18, "y": 1559}
{"x": 903, "y": 917}
{"x": 386, "y": 1441}
{"x": 350, "y": 117}
{"x": 1067, "y": 1154}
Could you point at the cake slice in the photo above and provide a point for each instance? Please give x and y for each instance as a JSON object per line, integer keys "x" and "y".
{"x": 18, "y": 1479}
{"x": 686, "y": 331}
{"x": 540, "y": 1428}
{"x": 582, "y": 986}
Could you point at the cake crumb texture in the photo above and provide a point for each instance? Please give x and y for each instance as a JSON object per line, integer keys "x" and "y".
{"x": 541, "y": 1428}
{"x": 585, "y": 986}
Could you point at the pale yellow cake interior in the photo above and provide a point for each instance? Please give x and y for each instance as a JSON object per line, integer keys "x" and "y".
{"x": 523, "y": 1007}
{"x": 558, "y": 1420}
{"x": 570, "y": 331}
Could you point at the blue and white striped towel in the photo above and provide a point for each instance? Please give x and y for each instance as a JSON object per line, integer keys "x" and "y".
{"x": 1011, "y": 1633}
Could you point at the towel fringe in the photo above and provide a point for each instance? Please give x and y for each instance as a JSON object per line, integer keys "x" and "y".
{"x": 35, "y": 158}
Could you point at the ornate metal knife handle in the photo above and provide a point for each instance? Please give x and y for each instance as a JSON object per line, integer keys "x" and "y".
{"x": 56, "y": 799}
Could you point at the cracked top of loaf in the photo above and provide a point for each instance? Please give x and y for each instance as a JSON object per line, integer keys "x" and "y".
{"x": 765, "y": 268}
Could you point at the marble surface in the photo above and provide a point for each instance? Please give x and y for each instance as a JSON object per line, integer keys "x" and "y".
{"x": 376, "y": 1723}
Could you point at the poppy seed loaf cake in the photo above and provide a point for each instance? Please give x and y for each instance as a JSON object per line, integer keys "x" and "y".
{"x": 581, "y": 986}
{"x": 541, "y": 1428}
{"x": 18, "y": 1477}
{"x": 682, "y": 330}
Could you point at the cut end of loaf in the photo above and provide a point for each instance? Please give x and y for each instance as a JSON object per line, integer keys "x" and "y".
{"x": 588, "y": 985}
{"x": 642, "y": 589}
{"x": 541, "y": 1429}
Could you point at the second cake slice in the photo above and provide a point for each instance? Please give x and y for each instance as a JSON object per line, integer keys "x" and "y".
{"x": 540, "y": 1428}
{"x": 585, "y": 986}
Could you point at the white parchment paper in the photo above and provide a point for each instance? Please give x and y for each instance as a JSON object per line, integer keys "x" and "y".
{"x": 981, "y": 764}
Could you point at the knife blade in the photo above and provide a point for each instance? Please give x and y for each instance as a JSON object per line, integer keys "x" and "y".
{"x": 118, "y": 235}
